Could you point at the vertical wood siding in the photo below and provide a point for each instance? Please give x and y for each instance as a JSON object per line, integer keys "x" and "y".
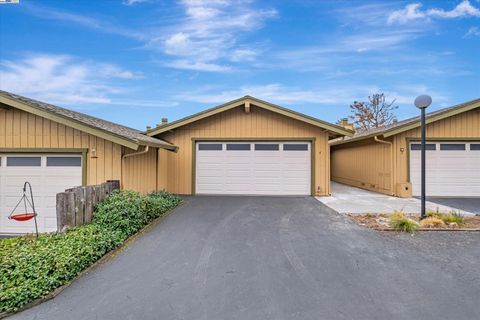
{"x": 465, "y": 125}
{"x": 365, "y": 164}
{"x": 19, "y": 129}
{"x": 140, "y": 171}
{"x": 362, "y": 163}
{"x": 235, "y": 123}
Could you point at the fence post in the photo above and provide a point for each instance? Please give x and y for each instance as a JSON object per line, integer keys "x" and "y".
{"x": 61, "y": 211}
{"x": 89, "y": 203}
{"x": 79, "y": 205}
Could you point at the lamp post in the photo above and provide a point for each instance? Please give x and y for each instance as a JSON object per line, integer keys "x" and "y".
{"x": 422, "y": 102}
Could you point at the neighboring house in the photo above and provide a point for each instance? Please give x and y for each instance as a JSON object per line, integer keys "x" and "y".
{"x": 387, "y": 159}
{"x": 55, "y": 148}
{"x": 248, "y": 146}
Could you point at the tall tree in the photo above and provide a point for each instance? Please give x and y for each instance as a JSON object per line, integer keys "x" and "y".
{"x": 377, "y": 112}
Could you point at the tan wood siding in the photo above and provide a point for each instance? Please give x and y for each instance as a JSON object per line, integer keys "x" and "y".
{"x": 19, "y": 129}
{"x": 463, "y": 126}
{"x": 362, "y": 163}
{"x": 237, "y": 124}
{"x": 365, "y": 164}
{"x": 140, "y": 171}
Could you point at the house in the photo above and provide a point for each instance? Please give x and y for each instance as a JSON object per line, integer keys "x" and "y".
{"x": 55, "y": 149}
{"x": 387, "y": 159}
{"x": 247, "y": 146}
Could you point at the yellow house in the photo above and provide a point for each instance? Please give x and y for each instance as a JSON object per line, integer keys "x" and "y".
{"x": 247, "y": 146}
{"x": 54, "y": 149}
{"x": 387, "y": 159}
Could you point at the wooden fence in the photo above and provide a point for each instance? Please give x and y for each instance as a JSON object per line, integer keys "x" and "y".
{"x": 75, "y": 206}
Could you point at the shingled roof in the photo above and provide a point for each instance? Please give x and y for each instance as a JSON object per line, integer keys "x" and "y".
{"x": 411, "y": 123}
{"x": 123, "y": 135}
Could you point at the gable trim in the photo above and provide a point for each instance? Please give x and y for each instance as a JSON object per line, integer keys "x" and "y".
{"x": 431, "y": 119}
{"x": 258, "y": 103}
{"x": 71, "y": 123}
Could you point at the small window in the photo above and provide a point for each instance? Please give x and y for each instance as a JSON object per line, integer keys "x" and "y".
{"x": 266, "y": 147}
{"x": 210, "y": 146}
{"x": 64, "y": 162}
{"x": 475, "y": 146}
{"x": 418, "y": 146}
{"x": 24, "y": 161}
{"x": 452, "y": 146}
{"x": 295, "y": 147}
{"x": 238, "y": 147}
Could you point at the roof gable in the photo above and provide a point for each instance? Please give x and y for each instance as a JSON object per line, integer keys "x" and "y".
{"x": 337, "y": 130}
{"x": 110, "y": 131}
{"x": 412, "y": 123}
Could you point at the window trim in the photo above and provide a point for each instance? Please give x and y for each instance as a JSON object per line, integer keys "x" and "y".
{"x": 427, "y": 146}
{"x": 266, "y": 144}
{"x": 227, "y": 145}
{"x": 210, "y": 144}
{"x": 296, "y": 145}
{"x": 453, "y": 144}
{"x": 477, "y": 146}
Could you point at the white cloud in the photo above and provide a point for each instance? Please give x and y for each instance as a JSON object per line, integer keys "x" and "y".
{"x": 62, "y": 79}
{"x": 133, "y": 2}
{"x": 472, "y": 32}
{"x": 208, "y": 34}
{"x": 413, "y": 12}
{"x": 328, "y": 95}
{"x": 85, "y": 21}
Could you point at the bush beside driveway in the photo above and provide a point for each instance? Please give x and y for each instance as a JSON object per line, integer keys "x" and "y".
{"x": 31, "y": 268}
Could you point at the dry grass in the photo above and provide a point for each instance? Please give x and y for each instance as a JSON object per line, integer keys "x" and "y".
{"x": 432, "y": 222}
{"x": 400, "y": 222}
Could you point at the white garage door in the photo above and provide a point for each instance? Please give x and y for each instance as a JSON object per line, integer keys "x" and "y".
{"x": 453, "y": 169}
{"x": 256, "y": 168}
{"x": 48, "y": 175}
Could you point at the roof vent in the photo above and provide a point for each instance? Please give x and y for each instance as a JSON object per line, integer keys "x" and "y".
{"x": 148, "y": 127}
{"x": 347, "y": 125}
{"x": 164, "y": 121}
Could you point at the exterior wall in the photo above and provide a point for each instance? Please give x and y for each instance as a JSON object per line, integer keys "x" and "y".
{"x": 162, "y": 174}
{"x": 140, "y": 171}
{"x": 463, "y": 126}
{"x": 236, "y": 124}
{"x": 364, "y": 164}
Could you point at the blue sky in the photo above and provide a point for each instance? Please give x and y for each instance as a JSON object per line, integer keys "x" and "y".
{"x": 136, "y": 61}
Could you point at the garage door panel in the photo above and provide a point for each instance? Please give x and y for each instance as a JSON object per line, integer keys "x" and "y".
{"x": 263, "y": 172}
{"x": 448, "y": 173}
{"x": 46, "y": 183}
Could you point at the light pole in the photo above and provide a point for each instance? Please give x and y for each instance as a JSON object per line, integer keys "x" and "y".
{"x": 422, "y": 102}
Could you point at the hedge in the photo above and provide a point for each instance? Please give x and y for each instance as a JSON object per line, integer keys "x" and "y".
{"x": 30, "y": 268}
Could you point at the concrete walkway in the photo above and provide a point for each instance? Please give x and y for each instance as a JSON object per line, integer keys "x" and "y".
{"x": 346, "y": 199}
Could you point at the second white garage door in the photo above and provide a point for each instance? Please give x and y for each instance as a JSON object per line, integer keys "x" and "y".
{"x": 253, "y": 168}
{"x": 452, "y": 169}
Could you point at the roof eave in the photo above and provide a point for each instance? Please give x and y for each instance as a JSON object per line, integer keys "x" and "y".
{"x": 415, "y": 124}
{"x": 70, "y": 123}
{"x": 340, "y": 131}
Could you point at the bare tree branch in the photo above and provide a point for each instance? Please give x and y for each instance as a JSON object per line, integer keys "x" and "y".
{"x": 377, "y": 112}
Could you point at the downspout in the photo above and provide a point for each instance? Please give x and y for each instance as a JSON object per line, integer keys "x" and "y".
{"x": 391, "y": 161}
{"x": 132, "y": 155}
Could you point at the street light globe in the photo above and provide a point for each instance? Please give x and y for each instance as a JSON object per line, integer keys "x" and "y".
{"x": 423, "y": 101}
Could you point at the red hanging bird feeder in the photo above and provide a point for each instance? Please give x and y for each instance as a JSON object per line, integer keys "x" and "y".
{"x": 26, "y": 215}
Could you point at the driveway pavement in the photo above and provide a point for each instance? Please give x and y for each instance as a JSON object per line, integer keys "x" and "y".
{"x": 348, "y": 199}
{"x": 466, "y": 204}
{"x": 276, "y": 258}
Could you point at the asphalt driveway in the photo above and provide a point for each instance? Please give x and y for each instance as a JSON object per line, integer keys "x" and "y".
{"x": 276, "y": 258}
{"x": 466, "y": 204}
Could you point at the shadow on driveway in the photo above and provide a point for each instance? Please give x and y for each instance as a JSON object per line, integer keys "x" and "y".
{"x": 276, "y": 258}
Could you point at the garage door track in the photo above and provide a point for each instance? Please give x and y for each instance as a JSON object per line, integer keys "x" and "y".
{"x": 276, "y": 258}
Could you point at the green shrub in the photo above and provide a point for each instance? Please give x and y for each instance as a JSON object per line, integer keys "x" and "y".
{"x": 400, "y": 222}
{"x": 31, "y": 268}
